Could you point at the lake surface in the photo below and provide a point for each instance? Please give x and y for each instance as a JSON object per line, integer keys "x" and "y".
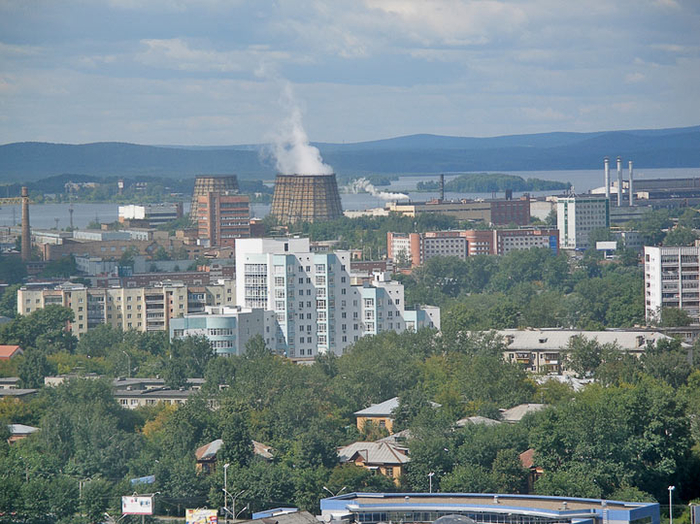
{"x": 44, "y": 216}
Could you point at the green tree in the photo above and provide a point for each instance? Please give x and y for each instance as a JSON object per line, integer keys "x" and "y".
{"x": 8, "y": 301}
{"x": 33, "y": 369}
{"x": 680, "y": 236}
{"x": 469, "y": 479}
{"x": 508, "y": 473}
{"x": 675, "y": 317}
{"x": 237, "y": 447}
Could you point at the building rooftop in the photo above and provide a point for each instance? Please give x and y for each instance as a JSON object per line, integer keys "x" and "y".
{"x": 385, "y": 408}
{"x": 21, "y": 429}
{"x": 556, "y": 339}
{"x": 516, "y": 414}
{"x": 374, "y": 453}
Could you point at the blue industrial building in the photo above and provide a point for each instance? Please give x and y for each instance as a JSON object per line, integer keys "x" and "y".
{"x": 372, "y": 508}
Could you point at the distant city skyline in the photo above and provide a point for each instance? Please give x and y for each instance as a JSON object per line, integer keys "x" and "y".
{"x": 213, "y": 72}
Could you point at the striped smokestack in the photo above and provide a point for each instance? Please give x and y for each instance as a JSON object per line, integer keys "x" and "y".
{"x": 607, "y": 177}
{"x": 619, "y": 182}
{"x": 631, "y": 188}
{"x": 26, "y": 230}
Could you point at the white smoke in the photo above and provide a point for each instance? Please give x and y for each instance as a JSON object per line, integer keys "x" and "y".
{"x": 290, "y": 145}
{"x": 362, "y": 185}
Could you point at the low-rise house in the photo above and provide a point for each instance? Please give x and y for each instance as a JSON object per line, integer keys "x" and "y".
{"x": 527, "y": 460}
{"x": 383, "y": 457}
{"x": 17, "y": 393}
{"x": 9, "y": 382}
{"x": 132, "y": 399}
{"x": 19, "y": 432}
{"x": 206, "y": 454}
{"x": 378, "y": 414}
{"x": 477, "y": 420}
{"x": 9, "y": 352}
{"x": 516, "y": 413}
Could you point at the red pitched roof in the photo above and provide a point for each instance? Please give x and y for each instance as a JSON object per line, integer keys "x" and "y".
{"x": 7, "y": 352}
{"x": 527, "y": 458}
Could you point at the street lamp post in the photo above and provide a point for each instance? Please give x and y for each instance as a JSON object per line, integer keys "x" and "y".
{"x": 670, "y": 504}
{"x": 226, "y": 492}
{"x": 335, "y": 494}
{"x": 234, "y": 501}
{"x": 430, "y": 480}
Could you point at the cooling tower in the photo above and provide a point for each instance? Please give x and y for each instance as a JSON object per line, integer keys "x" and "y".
{"x": 305, "y": 198}
{"x": 205, "y": 184}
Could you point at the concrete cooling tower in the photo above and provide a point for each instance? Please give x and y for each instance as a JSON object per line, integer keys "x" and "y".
{"x": 205, "y": 184}
{"x": 305, "y": 198}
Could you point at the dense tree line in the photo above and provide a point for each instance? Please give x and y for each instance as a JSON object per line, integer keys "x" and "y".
{"x": 629, "y": 435}
{"x": 528, "y": 288}
{"x": 489, "y": 182}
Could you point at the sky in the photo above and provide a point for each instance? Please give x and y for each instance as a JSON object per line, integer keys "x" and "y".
{"x": 219, "y": 72}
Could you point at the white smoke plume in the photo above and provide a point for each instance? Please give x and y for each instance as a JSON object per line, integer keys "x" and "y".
{"x": 362, "y": 185}
{"x": 290, "y": 146}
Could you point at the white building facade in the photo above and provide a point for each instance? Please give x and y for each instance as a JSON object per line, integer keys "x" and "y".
{"x": 577, "y": 216}
{"x": 671, "y": 279}
{"x": 317, "y": 308}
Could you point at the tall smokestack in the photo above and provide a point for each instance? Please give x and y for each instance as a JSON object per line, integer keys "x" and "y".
{"x": 607, "y": 177}
{"x": 631, "y": 188}
{"x": 442, "y": 188}
{"x": 26, "y": 232}
{"x": 619, "y": 182}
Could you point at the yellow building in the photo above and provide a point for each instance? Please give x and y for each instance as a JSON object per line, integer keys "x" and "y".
{"x": 383, "y": 457}
{"x": 380, "y": 415}
{"x": 140, "y": 309}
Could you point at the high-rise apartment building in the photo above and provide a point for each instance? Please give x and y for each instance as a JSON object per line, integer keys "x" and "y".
{"x": 671, "y": 280}
{"x": 139, "y": 308}
{"x": 222, "y": 217}
{"x": 317, "y": 306}
{"x": 577, "y": 216}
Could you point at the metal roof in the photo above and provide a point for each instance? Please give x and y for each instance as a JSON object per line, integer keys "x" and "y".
{"x": 558, "y": 339}
{"x": 383, "y": 408}
{"x": 374, "y": 453}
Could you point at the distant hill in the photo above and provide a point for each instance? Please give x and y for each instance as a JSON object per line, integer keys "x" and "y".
{"x": 677, "y": 147}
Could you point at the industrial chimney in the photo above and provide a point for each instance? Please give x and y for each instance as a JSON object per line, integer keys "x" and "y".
{"x": 442, "y": 188}
{"x": 631, "y": 189}
{"x": 607, "y": 178}
{"x": 26, "y": 231}
{"x": 619, "y": 182}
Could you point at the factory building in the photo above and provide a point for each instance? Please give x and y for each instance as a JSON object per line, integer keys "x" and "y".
{"x": 498, "y": 212}
{"x": 149, "y": 215}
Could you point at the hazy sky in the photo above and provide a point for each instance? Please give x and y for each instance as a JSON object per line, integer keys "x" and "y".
{"x": 212, "y": 71}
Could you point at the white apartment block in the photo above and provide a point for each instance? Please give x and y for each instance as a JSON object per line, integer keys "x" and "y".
{"x": 671, "y": 279}
{"x": 140, "y": 309}
{"x": 228, "y": 328}
{"x": 577, "y": 216}
{"x": 316, "y": 306}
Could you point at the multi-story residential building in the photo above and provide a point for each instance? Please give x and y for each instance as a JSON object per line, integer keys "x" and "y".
{"x": 417, "y": 248}
{"x": 222, "y": 218}
{"x": 577, "y": 216}
{"x": 316, "y": 305}
{"x": 544, "y": 350}
{"x": 228, "y": 328}
{"x": 150, "y": 215}
{"x": 671, "y": 280}
{"x": 141, "y": 309}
